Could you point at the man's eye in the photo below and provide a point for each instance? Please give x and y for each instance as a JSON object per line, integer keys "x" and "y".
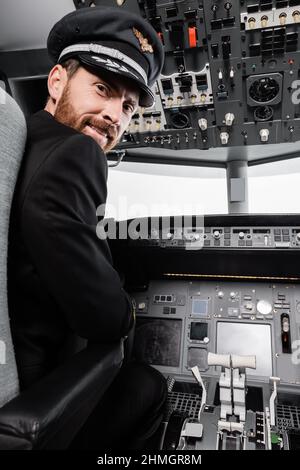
{"x": 102, "y": 89}
{"x": 128, "y": 108}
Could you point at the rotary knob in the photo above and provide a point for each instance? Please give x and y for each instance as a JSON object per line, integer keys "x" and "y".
{"x": 232, "y": 295}
{"x": 241, "y": 235}
{"x": 264, "y": 307}
{"x": 217, "y": 234}
{"x": 224, "y": 137}
{"x": 229, "y": 118}
{"x": 202, "y": 123}
{"x": 220, "y": 294}
{"x": 264, "y": 135}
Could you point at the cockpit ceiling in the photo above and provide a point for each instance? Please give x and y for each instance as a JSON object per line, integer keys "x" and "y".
{"x": 26, "y": 24}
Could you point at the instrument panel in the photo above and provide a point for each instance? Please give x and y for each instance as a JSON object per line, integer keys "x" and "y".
{"x": 221, "y": 237}
{"x": 183, "y": 326}
{"x": 230, "y": 76}
{"x": 180, "y": 322}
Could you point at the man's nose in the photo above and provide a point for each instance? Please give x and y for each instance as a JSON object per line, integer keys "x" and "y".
{"x": 113, "y": 111}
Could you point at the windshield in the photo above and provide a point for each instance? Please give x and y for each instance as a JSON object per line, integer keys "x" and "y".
{"x": 143, "y": 190}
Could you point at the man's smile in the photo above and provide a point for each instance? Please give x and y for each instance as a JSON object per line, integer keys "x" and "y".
{"x": 99, "y": 135}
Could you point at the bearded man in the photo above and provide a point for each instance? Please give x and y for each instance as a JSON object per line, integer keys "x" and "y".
{"x": 63, "y": 289}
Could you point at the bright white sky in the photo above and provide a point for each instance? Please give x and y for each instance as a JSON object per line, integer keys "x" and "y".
{"x": 136, "y": 189}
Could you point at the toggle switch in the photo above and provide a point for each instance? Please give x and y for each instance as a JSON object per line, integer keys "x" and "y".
{"x": 251, "y": 23}
{"x": 203, "y": 98}
{"x": 282, "y": 19}
{"x": 264, "y": 21}
{"x": 296, "y": 16}
{"x": 231, "y": 76}
{"x": 157, "y": 124}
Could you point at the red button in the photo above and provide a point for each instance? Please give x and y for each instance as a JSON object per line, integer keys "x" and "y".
{"x": 193, "y": 36}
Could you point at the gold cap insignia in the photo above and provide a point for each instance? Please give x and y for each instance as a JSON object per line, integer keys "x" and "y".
{"x": 145, "y": 46}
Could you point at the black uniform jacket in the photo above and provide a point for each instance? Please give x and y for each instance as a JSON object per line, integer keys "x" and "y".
{"x": 61, "y": 282}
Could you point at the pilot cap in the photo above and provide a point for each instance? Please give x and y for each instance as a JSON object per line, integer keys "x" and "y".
{"x": 112, "y": 39}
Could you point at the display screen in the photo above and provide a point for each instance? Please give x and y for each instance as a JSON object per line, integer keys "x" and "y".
{"x": 198, "y": 331}
{"x": 158, "y": 341}
{"x": 247, "y": 339}
{"x": 199, "y": 307}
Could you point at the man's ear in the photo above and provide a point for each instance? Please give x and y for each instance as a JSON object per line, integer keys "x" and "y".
{"x": 57, "y": 81}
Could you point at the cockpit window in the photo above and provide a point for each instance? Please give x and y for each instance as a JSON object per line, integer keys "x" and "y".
{"x": 274, "y": 187}
{"x": 143, "y": 190}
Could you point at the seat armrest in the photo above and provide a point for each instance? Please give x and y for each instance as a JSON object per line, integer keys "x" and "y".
{"x": 50, "y": 413}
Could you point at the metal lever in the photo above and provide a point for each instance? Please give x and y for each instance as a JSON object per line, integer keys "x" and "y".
{"x": 196, "y": 373}
{"x": 273, "y": 397}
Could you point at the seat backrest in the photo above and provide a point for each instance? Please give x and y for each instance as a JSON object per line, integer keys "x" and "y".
{"x": 12, "y": 144}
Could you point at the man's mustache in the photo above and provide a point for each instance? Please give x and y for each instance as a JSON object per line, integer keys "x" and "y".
{"x": 110, "y": 129}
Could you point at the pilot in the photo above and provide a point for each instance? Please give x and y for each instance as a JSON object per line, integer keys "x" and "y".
{"x": 63, "y": 288}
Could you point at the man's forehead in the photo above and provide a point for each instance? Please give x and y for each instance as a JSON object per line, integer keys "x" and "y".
{"x": 119, "y": 83}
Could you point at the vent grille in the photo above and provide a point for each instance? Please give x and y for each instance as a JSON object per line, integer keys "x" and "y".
{"x": 288, "y": 417}
{"x": 184, "y": 403}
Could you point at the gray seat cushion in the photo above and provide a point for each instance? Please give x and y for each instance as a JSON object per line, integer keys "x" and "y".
{"x": 12, "y": 143}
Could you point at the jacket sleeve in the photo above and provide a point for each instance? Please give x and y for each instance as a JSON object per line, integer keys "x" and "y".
{"x": 59, "y": 226}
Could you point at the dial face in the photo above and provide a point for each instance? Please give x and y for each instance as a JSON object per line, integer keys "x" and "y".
{"x": 264, "y": 90}
{"x": 264, "y": 307}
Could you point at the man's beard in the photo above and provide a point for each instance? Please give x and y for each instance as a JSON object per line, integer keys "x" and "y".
{"x": 66, "y": 114}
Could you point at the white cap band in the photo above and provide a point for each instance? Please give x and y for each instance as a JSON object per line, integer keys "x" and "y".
{"x": 107, "y": 51}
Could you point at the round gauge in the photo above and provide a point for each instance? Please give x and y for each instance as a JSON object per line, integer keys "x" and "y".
{"x": 264, "y": 307}
{"x": 264, "y": 90}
